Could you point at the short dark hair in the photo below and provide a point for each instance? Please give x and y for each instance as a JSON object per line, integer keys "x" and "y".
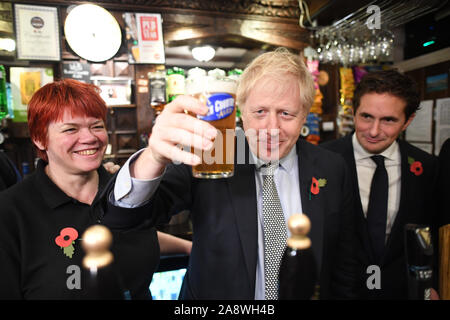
{"x": 392, "y": 82}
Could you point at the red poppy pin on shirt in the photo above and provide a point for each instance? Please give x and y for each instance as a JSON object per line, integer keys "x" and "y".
{"x": 66, "y": 239}
{"x": 316, "y": 184}
{"x": 415, "y": 166}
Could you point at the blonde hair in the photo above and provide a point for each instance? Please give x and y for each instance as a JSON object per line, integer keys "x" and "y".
{"x": 276, "y": 65}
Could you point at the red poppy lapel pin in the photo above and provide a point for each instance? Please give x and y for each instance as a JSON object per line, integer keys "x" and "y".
{"x": 415, "y": 166}
{"x": 66, "y": 240}
{"x": 316, "y": 184}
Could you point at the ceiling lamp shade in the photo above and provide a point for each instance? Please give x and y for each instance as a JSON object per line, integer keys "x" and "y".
{"x": 203, "y": 53}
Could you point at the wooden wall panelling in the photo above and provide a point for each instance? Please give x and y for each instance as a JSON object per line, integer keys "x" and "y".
{"x": 105, "y": 69}
{"x": 126, "y": 143}
{"x": 330, "y": 101}
{"x": 20, "y": 150}
{"x": 145, "y": 114}
{"x": 434, "y": 70}
{"x": 420, "y": 76}
{"x": 275, "y": 8}
{"x": 125, "y": 119}
{"x": 121, "y": 124}
{"x": 123, "y": 69}
{"x": 110, "y": 125}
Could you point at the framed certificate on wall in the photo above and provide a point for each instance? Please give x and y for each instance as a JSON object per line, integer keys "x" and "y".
{"x": 114, "y": 91}
{"x": 37, "y": 32}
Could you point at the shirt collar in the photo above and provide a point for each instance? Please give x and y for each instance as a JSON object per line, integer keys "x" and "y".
{"x": 391, "y": 153}
{"x": 287, "y": 162}
{"x": 54, "y": 196}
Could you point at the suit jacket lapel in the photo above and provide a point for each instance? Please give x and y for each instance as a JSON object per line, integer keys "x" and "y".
{"x": 242, "y": 188}
{"x": 362, "y": 228}
{"x": 396, "y": 238}
{"x": 310, "y": 207}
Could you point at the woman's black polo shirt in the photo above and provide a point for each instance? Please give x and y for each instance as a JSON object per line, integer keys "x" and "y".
{"x": 33, "y": 263}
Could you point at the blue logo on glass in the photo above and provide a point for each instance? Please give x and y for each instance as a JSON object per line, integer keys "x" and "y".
{"x": 220, "y": 105}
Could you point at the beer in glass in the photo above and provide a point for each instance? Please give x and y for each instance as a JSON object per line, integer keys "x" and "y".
{"x": 219, "y": 94}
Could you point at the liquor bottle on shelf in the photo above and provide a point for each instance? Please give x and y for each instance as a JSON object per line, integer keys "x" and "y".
{"x": 236, "y": 75}
{"x": 157, "y": 84}
{"x": 101, "y": 281}
{"x": 217, "y": 73}
{"x": 298, "y": 274}
{"x": 175, "y": 83}
{"x": 9, "y": 100}
{"x": 419, "y": 260}
{"x": 3, "y": 94}
{"x": 196, "y": 72}
{"x": 25, "y": 169}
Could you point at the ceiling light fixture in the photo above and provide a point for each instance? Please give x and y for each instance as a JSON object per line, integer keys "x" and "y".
{"x": 203, "y": 53}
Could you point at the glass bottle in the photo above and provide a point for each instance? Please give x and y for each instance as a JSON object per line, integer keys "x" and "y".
{"x": 25, "y": 169}
{"x": 157, "y": 83}
{"x": 236, "y": 74}
{"x": 3, "y": 95}
{"x": 175, "y": 83}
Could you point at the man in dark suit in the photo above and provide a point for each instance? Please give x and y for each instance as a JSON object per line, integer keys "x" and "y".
{"x": 228, "y": 258}
{"x": 384, "y": 104}
{"x": 9, "y": 175}
{"x": 443, "y": 189}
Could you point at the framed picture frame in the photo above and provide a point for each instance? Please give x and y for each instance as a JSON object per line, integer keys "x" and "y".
{"x": 25, "y": 81}
{"x": 144, "y": 38}
{"x": 114, "y": 91}
{"x": 37, "y": 32}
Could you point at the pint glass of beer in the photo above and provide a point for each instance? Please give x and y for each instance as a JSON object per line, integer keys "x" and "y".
{"x": 219, "y": 94}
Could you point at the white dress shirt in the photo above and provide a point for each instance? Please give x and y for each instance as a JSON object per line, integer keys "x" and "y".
{"x": 288, "y": 188}
{"x": 130, "y": 192}
{"x": 365, "y": 168}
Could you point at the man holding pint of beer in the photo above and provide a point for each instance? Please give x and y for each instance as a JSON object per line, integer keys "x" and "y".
{"x": 239, "y": 218}
{"x": 219, "y": 94}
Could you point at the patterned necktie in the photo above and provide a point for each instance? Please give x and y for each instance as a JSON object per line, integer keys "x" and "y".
{"x": 275, "y": 233}
{"x": 377, "y": 209}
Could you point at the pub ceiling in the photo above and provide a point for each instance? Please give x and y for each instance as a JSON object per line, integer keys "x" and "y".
{"x": 240, "y": 29}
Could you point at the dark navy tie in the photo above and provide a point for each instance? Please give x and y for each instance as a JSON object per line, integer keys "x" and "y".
{"x": 377, "y": 209}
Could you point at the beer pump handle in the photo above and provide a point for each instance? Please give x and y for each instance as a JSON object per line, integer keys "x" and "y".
{"x": 101, "y": 278}
{"x": 419, "y": 261}
{"x": 298, "y": 272}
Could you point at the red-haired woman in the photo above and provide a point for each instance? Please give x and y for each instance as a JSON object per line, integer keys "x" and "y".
{"x": 43, "y": 217}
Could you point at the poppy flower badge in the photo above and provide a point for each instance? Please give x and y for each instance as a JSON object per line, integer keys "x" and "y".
{"x": 316, "y": 184}
{"x": 415, "y": 166}
{"x": 66, "y": 240}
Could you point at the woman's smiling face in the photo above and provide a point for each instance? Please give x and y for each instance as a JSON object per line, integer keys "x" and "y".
{"x": 76, "y": 144}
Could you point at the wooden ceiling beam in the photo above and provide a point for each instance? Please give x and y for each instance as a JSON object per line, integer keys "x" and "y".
{"x": 317, "y": 6}
{"x": 271, "y": 23}
{"x": 179, "y": 28}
